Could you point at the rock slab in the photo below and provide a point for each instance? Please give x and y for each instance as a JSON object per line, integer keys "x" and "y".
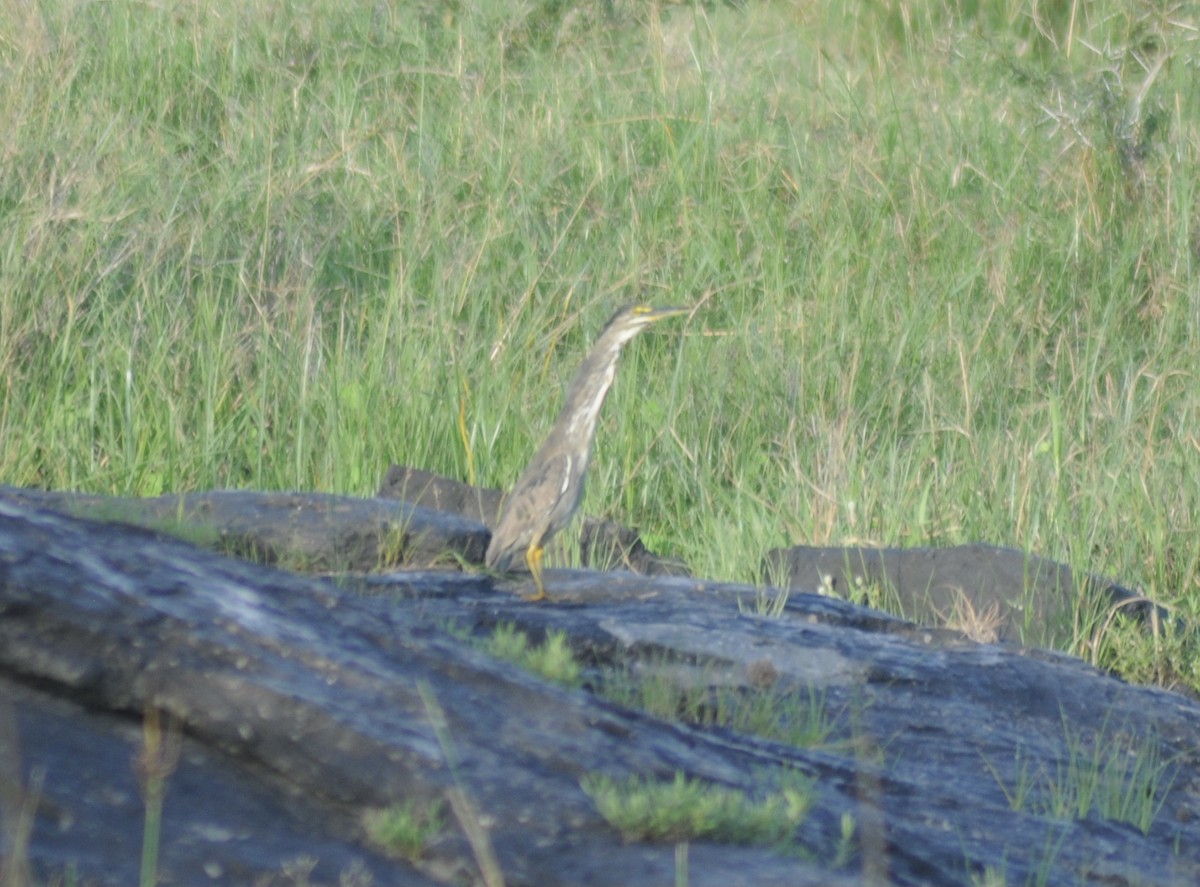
{"x": 305, "y": 701}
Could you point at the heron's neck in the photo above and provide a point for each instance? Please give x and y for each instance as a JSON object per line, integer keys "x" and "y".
{"x": 587, "y": 391}
{"x": 582, "y": 409}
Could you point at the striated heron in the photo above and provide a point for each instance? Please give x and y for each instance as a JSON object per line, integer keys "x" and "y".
{"x": 549, "y": 489}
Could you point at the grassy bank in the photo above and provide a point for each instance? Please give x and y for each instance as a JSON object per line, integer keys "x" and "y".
{"x": 944, "y": 263}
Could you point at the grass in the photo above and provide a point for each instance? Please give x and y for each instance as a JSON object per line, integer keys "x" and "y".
{"x": 790, "y": 715}
{"x": 405, "y": 828}
{"x": 689, "y": 809}
{"x": 943, "y": 263}
{"x": 462, "y": 805}
{"x": 552, "y": 659}
{"x": 154, "y": 764}
{"x": 670, "y": 691}
{"x": 997, "y": 876}
{"x": 1111, "y": 775}
{"x": 1164, "y": 652}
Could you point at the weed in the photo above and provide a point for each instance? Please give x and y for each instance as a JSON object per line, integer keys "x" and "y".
{"x": 551, "y": 659}
{"x": 1115, "y": 775}
{"x": 1120, "y": 777}
{"x": 461, "y": 804}
{"x": 405, "y": 828}
{"x": 795, "y": 716}
{"x": 687, "y": 809}
{"x": 154, "y": 764}
{"x": 769, "y": 601}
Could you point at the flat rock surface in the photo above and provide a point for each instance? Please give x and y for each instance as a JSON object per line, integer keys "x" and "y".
{"x": 306, "y": 701}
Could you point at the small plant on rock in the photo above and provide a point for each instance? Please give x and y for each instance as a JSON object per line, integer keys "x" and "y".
{"x": 405, "y": 828}
{"x": 689, "y": 809}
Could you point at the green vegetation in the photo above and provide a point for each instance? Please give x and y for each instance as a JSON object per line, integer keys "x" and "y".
{"x": 552, "y": 659}
{"x": 769, "y": 600}
{"x": 943, "y": 259}
{"x": 153, "y": 766}
{"x": 1163, "y": 652}
{"x": 1119, "y": 777}
{"x": 789, "y": 715}
{"x": 1113, "y": 775}
{"x": 997, "y": 876}
{"x": 405, "y": 828}
{"x": 462, "y": 805}
{"x": 181, "y": 525}
{"x": 676, "y": 692}
{"x": 689, "y": 809}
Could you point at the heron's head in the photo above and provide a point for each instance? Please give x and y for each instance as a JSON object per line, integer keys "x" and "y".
{"x": 632, "y": 319}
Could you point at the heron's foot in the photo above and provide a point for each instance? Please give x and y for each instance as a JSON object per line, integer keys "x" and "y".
{"x": 533, "y": 558}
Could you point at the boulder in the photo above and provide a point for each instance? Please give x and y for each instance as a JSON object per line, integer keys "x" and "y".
{"x": 990, "y": 592}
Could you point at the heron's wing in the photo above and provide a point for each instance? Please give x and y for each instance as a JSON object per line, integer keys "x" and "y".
{"x": 538, "y": 505}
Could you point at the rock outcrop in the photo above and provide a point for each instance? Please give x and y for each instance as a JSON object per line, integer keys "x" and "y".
{"x": 301, "y": 702}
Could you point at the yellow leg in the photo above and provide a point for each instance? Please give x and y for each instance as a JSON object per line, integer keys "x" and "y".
{"x": 533, "y": 558}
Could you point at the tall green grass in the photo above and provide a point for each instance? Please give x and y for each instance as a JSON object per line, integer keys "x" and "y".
{"x": 943, "y": 259}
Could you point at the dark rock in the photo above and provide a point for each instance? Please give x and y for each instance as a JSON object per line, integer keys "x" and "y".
{"x": 603, "y": 545}
{"x": 993, "y": 593}
{"x": 306, "y": 701}
{"x": 226, "y": 821}
{"x": 441, "y": 493}
{"x": 312, "y": 532}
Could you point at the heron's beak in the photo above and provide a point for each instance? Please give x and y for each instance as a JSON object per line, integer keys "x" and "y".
{"x": 662, "y": 313}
